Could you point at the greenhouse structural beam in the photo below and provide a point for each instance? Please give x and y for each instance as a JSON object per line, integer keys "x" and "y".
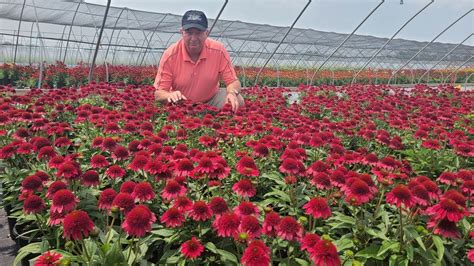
{"x": 281, "y": 41}
{"x": 218, "y": 16}
{"x": 18, "y": 32}
{"x": 446, "y": 55}
{"x": 457, "y": 69}
{"x": 151, "y": 37}
{"x": 91, "y": 70}
{"x": 388, "y": 41}
{"x": 70, "y": 30}
{"x": 422, "y": 49}
{"x": 345, "y": 40}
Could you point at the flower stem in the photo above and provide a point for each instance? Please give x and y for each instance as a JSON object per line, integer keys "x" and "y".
{"x": 401, "y": 228}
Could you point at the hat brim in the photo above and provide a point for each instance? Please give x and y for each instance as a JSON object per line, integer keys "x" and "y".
{"x": 194, "y": 25}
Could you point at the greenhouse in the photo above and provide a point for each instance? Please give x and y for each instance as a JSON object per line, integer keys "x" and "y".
{"x": 253, "y": 133}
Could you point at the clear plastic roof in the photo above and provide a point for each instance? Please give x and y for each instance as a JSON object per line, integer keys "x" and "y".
{"x": 67, "y": 31}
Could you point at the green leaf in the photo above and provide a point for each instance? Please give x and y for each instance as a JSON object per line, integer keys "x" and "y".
{"x": 163, "y": 232}
{"x": 279, "y": 194}
{"x": 439, "y": 247}
{"x": 409, "y": 249}
{"x": 114, "y": 256}
{"x": 227, "y": 256}
{"x": 32, "y": 248}
{"x": 343, "y": 244}
{"x": 211, "y": 247}
{"x": 369, "y": 252}
{"x": 302, "y": 262}
{"x": 386, "y": 246}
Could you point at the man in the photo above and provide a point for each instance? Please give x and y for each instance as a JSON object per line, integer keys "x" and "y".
{"x": 191, "y": 68}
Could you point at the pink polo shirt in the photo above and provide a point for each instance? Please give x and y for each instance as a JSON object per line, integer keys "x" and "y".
{"x": 198, "y": 81}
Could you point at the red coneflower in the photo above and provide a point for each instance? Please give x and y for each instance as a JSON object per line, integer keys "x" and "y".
{"x": 292, "y": 167}
{"x": 25, "y": 148}
{"x": 33, "y": 204}
{"x": 270, "y": 224}
{"x": 260, "y": 150}
{"x": 318, "y": 208}
{"x": 173, "y": 217}
{"x": 207, "y": 141}
{"x": 420, "y": 195}
{"x": 115, "y": 171}
{"x": 432, "y": 188}
{"x": 447, "y": 178}
{"x": 77, "y": 225}
{"x": 226, "y": 224}
{"x": 183, "y": 204}
{"x": 218, "y": 205}
{"x": 246, "y": 166}
{"x": 124, "y": 201}
{"x": 205, "y": 166}
{"x": 256, "y": 254}
{"x": 69, "y": 170}
{"x": 200, "y": 211}
{"x": 46, "y": 152}
{"x": 447, "y": 209}
{"x": 64, "y": 201}
{"x": 62, "y": 142}
{"x": 42, "y": 175}
{"x": 55, "y": 218}
{"x": 289, "y": 229}
{"x": 309, "y": 241}
{"x": 468, "y": 187}
{"x": 138, "y": 221}
{"x": 56, "y": 162}
{"x": 31, "y": 183}
{"x": 54, "y": 187}
{"x": 108, "y": 144}
{"x": 184, "y": 168}
{"x": 221, "y": 171}
{"x": 388, "y": 163}
{"x": 90, "y": 178}
{"x": 128, "y": 187}
{"x": 106, "y": 199}
{"x": 48, "y": 259}
{"x": 138, "y": 162}
{"x": 192, "y": 248}
{"x": 324, "y": 253}
{"x": 99, "y": 161}
{"x": 173, "y": 190}
{"x": 120, "y": 153}
{"x": 456, "y": 196}
{"x": 246, "y": 208}
{"x": 444, "y": 228}
{"x": 244, "y": 188}
{"x": 358, "y": 193}
{"x": 321, "y": 180}
{"x": 470, "y": 255}
{"x": 251, "y": 226}
{"x": 399, "y": 195}
{"x": 143, "y": 191}
{"x": 431, "y": 144}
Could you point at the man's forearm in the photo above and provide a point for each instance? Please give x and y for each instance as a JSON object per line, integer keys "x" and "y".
{"x": 161, "y": 95}
{"x": 234, "y": 87}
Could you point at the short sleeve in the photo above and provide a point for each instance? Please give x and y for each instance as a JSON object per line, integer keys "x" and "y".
{"x": 164, "y": 77}
{"x": 226, "y": 70}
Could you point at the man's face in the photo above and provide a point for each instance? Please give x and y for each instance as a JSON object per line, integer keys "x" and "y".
{"x": 194, "y": 40}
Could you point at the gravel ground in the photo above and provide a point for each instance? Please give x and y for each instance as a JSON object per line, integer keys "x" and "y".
{"x": 7, "y": 246}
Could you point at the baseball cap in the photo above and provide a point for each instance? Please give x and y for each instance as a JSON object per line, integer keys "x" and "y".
{"x": 194, "y": 19}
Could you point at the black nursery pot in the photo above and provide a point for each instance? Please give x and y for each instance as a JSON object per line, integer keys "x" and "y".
{"x": 23, "y": 240}
{"x": 11, "y": 221}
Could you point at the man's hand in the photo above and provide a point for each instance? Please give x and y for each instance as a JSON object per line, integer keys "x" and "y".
{"x": 175, "y": 96}
{"x": 232, "y": 99}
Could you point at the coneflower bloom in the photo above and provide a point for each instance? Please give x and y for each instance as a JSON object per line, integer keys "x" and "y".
{"x": 399, "y": 195}
{"x": 200, "y": 211}
{"x": 31, "y": 183}
{"x": 444, "y": 227}
{"x": 256, "y": 254}
{"x": 173, "y": 190}
{"x": 64, "y": 201}
{"x": 192, "y": 248}
{"x": 115, "y": 171}
{"x": 324, "y": 253}
{"x": 90, "y": 178}
{"x": 289, "y": 229}
{"x": 77, "y": 225}
{"x": 447, "y": 209}
{"x": 124, "y": 201}
{"x": 270, "y": 224}
{"x": 173, "y": 217}
{"x": 106, "y": 199}
{"x": 143, "y": 191}
{"x": 246, "y": 208}
{"x": 226, "y": 224}
{"x": 33, "y": 204}
{"x": 138, "y": 221}
{"x": 251, "y": 226}
{"x": 244, "y": 188}
{"x": 318, "y": 208}
{"x": 246, "y": 166}
{"x": 309, "y": 241}
{"x": 183, "y": 204}
{"x": 99, "y": 161}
